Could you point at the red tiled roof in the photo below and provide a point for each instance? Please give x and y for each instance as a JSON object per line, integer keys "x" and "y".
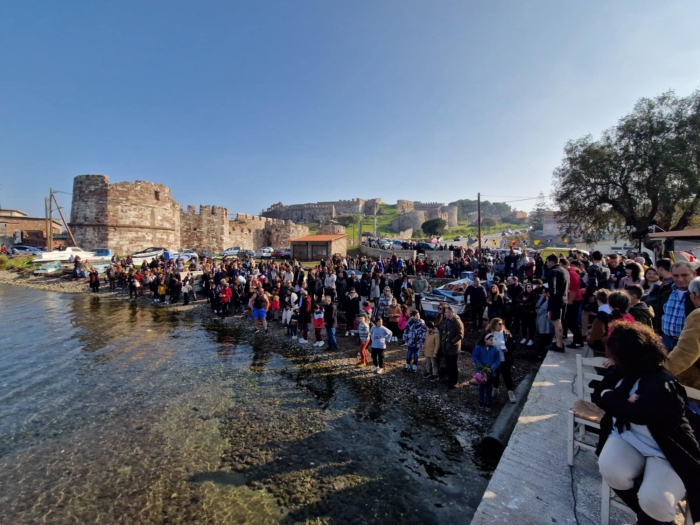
{"x": 320, "y": 238}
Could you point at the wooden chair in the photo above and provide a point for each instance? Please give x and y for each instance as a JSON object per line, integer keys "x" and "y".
{"x": 610, "y": 499}
{"x": 584, "y": 413}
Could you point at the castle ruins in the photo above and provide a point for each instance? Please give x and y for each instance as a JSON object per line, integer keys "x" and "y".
{"x": 413, "y": 213}
{"x": 126, "y": 217}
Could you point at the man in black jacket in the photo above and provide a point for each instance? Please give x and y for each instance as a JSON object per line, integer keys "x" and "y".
{"x": 330, "y": 319}
{"x": 558, "y": 288}
{"x": 477, "y": 302}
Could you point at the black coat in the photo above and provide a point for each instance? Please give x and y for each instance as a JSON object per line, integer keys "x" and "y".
{"x": 662, "y": 408}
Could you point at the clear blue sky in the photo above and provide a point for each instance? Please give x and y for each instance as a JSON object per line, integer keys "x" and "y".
{"x": 244, "y": 104}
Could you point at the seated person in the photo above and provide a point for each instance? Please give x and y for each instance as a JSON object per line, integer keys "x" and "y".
{"x": 599, "y": 328}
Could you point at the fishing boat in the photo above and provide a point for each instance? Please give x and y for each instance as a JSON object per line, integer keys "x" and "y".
{"x": 63, "y": 255}
{"x": 450, "y": 294}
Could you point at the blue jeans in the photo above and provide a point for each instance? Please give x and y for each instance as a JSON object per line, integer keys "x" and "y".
{"x": 669, "y": 342}
{"x": 332, "y": 343}
{"x": 485, "y": 392}
{"x": 412, "y": 351}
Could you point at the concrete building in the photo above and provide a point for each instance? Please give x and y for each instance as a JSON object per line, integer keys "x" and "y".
{"x": 317, "y": 247}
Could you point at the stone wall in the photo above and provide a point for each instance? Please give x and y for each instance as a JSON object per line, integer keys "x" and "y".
{"x": 125, "y": 217}
{"x": 417, "y": 205}
{"x": 320, "y": 211}
{"x": 331, "y": 229}
{"x": 376, "y": 253}
{"x": 413, "y": 220}
{"x": 206, "y": 230}
{"x": 403, "y": 206}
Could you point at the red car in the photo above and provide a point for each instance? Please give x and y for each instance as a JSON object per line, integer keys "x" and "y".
{"x": 282, "y": 254}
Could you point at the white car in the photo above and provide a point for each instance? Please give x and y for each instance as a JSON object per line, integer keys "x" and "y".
{"x": 231, "y": 252}
{"x": 264, "y": 253}
{"x": 191, "y": 254}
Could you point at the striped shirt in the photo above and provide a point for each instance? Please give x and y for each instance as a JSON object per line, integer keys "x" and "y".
{"x": 673, "y": 320}
{"x": 363, "y": 332}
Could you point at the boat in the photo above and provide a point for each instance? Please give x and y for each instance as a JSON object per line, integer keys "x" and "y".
{"x": 63, "y": 255}
{"x": 450, "y": 294}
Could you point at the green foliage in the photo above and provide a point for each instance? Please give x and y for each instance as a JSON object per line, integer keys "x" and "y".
{"x": 646, "y": 168}
{"x": 434, "y": 226}
{"x": 10, "y": 263}
{"x": 347, "y": 220}
{"x": 488, "y": 222}
{"x": 488, "y": 209}
{"x": 537, "y": 215}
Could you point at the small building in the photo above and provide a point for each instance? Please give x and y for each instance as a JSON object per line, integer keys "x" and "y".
{"x": 16, "y": 227}
{"x": 317, "y": 247}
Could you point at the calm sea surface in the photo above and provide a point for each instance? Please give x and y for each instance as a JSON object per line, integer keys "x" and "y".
{"x": 113, "y": 412}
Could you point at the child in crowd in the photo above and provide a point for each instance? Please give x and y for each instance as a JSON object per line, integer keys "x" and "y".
{"x": 380, "y": 334}
{"x": 275, "y": 306}
{"x": 318, "y": 325}
{"x": 367, "y": 309}
{"x": 485, "y": 357}
{"x": 363, "y": 334}
{"x": 186, "y": 290}
{"x": 287, "y": 316}
{"x": 431, "y": 347}
{"x": 294, "y": 322}
{"x": 404, "y": 316}
{"x": 161, "y": 292}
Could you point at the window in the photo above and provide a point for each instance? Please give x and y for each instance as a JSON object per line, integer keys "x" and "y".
{"x": 157, "y": 195}
{"x": 319, "y": 251}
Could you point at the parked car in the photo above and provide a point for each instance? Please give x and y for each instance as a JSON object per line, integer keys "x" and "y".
{"x": 459, "y": 238}
{"x": 385, "y": 244}
{"x": 49, "y": 268}
{"x": 247, "y": 253}
{"x": 285, "y": 253}
{"x": 207, "y": 253}
{"x": 264, "y": 253}
{"x": 231, "y": 252}
{"x": 20, "y": 249}
{"x": 192, "y": 254}
{"x": 422, "y": 247}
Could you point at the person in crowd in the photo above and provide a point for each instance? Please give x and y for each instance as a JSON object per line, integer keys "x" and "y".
{"x": 290, "y": 301}
{"x": 329, "y": 284}
{"x": 675, "y": 303}
{"x": 186, "y": 291}
{"x": 511, "y": 313}
{"x": 330, "y": 319}
{"x": 505, "y": 343}
{"x": 651, "y": 280}
{"x": 574, "y": 301}
{"x": 363, "y": 329}
{"x": 294, "y": 323}
{"x": 638, "y": 309}
{"x": 415, "y": 338}
{"x": 259, "y": 303}
{"x": 375, "y": 291}
{"x": 367, "y": 310}
{"x": 275, "y": 306}
{"x": 404, "y": 316}
{"x": 495, "y": 302}
{"x": 318, "y": 324}
{"x": 475, "y": 294}
{"x": 391, "y": 319}
{"x": 599, "y": 328}
{"x": 544, "y": 325}
{"x": 224, "y": 298}
{"x": 527, "y": 307}
{"x": 647, "y": 452}
{"x": 95, "y": 281}
{"x": 558, "y": 290}
{"x": 420, "y": 287}
{"x": 379, "y": 335}
{"x": 633, "y": 274}
{"x": 597, "y": 277}
{"x": 684, "y": 359}
{"x": 617, "y": 271}
{"x": 486, "y": 355}
{"x": 619, "y": 303}
{"x": 383, "y": 303}
{"x": 451, "y": 336}
{"x": 352, "y": 308}
{"x": 431, "y": 350}
{"x": 440, "y": 317}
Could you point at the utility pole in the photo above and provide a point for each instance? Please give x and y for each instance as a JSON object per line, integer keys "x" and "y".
{"x": 478, "y": 219}
{"x": 70, "y": 233}
{"x": 47, "y": 228}
{"x": 376, "y": 207}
